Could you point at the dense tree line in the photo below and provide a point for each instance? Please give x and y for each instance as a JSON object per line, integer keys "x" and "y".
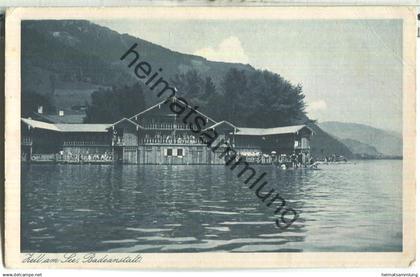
{"x": 245, "y": 98}
{"x": 31, "y": 100}
{"x": 110, "y": 105}
{"x": 253, "y": 99}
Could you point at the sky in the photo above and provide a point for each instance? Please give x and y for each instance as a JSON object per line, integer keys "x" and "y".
{"x": 351, "y": 70}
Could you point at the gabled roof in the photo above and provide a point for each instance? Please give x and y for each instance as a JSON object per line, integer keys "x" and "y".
{"x": 67, "y": 118}
{"x": 40, "y": 124}
{"x": 164, "y": 102}
{"x": 103, "y": 128}
{"x": 271, "y": 131}
{"x": 128, "y": 120}
{"x": 148, "y": 109}
{"x": 223, "y": 122}
{"x": 95, "y": 128}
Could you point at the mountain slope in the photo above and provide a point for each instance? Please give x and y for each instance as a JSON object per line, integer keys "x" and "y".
{"x": 57, "y": 51}
{"x": 385, "y": 142}
{"x": 323, "y": 144}
{"x": 359, "y": 148}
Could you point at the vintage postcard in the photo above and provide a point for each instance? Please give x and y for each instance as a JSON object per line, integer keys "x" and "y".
{"x": 210, "y": 137}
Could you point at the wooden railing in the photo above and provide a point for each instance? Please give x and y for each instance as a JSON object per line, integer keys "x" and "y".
{"x": 85, "y": 143}
{"x": 170, "y": 140}
{"x": 86, "y": 158}
{"x": 166, "y": 126}
{"x": 247, "y": 146}
{"x": 43, "y": 157}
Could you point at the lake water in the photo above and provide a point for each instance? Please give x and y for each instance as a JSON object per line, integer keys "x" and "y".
{"x": 140, "y": 208}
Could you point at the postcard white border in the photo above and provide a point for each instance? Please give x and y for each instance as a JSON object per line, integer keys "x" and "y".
{"x": 13, "y": 257}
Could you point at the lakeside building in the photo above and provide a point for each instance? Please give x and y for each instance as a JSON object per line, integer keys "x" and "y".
{"x": 156, "y": 136}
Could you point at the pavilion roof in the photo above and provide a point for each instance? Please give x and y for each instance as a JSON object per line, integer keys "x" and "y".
{"x": 271, "y": 131}
{"x": 63, "y": 127}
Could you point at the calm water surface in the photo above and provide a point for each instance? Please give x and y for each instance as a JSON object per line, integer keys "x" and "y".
{"x": 105, "y": 208}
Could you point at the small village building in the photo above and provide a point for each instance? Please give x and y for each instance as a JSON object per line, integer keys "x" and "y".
{"x": 156, "y": 136}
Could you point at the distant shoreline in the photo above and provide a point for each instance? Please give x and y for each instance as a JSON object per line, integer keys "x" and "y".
{"x": 379, "y": 158}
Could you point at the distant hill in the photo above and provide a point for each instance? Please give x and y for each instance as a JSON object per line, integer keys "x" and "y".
{"x": 78, "y": 56}
{"x": 385, "y": 142}
{"x": 66, "y": 60}
{"x": 359, "y": 148}
{"x": 323, "y": 144}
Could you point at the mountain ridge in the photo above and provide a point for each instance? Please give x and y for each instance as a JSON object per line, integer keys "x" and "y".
{"x": 385, "y": 142}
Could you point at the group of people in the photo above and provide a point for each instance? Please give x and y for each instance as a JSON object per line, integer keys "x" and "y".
{"x": 294, "y": 160}
{"x": 301, "y": 159}
{"x": 39, "y": 157}
{"x": 85, "y": 157}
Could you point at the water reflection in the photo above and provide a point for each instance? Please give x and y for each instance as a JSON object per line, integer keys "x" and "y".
{"x": 106, "y": 208}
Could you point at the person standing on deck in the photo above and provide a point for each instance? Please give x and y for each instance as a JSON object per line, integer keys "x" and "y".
{"x": 293, "y": 159}
{"x": 300, "y": 159}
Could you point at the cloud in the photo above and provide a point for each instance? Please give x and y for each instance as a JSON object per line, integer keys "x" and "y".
{"x": 229, "y": 50}
{"x": 317, "y": 106}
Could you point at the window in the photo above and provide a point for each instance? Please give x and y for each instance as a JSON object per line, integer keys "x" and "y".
{"x": 174, "y": 152}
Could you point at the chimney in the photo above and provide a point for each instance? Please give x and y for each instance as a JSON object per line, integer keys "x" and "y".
{"x": 40, "y": 109}
{"x": 61, "y": 113}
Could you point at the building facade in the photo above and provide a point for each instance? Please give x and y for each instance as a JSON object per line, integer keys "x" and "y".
{"x": 156, "y": 136}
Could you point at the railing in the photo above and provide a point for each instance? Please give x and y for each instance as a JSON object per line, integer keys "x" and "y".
{"x": 86, "y": 158}
{"x": 72, "y": 158}
{"x": 166, "y": 126}
{"x": 170, "y": 140}
{"x": 85, "y": 143}
{"x": 43, "y": 157}
{"x": 247, "y": 146}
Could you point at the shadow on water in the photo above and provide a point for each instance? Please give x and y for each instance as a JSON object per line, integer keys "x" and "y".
{"x": 133, "y": 208}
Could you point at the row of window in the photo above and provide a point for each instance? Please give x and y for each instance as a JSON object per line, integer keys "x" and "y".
{"x": 174, "y": 152}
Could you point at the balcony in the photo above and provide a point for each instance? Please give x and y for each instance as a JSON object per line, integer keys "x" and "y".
{"x": 85, "y": 143}
{"x": 166, "y": 126}
{"x": 179, "y": 140}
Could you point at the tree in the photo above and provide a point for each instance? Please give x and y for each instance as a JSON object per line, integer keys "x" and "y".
{"x": 275, "y": 101}
{"x": 31, "y": 100}
{"x": 234, "y": 87}
{"x": 189, "y": 84}
{"x": 110, "y": 105}
{"x": 198, "y": 90}
{"x": 209, "y": 88}
{"x": 246, "y": 98}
